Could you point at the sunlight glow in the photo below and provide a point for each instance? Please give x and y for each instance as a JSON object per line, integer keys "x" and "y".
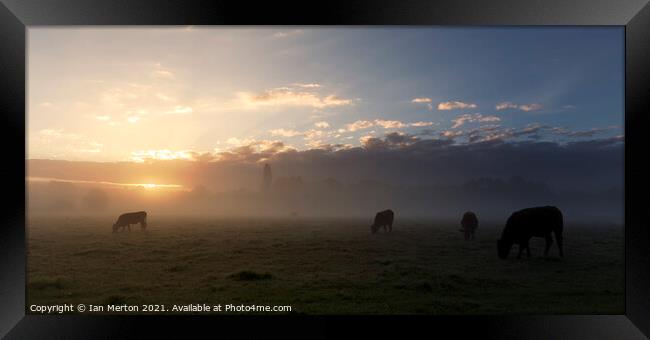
{"x": 109, "y": 184}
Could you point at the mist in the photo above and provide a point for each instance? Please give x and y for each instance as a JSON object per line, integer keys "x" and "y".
{"x": 416, "y": 178}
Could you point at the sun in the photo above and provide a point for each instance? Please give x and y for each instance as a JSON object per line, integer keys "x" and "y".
{"x": 150, "y": 186}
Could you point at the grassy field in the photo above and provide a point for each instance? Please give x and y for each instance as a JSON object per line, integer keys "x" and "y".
{"x": 321, "y": 267}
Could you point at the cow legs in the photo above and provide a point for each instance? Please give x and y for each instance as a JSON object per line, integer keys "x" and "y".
{"x": 559, "y": 244}
{"x": 523, "y": 246}
{"x": 549, "y": 242}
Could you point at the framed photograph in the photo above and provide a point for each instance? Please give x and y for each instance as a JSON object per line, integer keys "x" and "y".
{"x": 364, "y": 168}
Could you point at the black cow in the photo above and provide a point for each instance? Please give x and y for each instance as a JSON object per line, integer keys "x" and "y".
{"x": 383, "y": 219}
{"x": 532, "y": 222}
{"x": 125, "y": 220}
{"x": 469, "y": 224}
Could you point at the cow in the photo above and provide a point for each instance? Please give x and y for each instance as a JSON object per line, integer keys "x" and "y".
{"x": 125, "y": 220}
{"x": 524, "y": 224}
{"x": 383, "y": 219}
{"x": 469, "y": 224}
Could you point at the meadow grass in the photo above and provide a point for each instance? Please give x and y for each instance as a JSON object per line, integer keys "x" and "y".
{"x": 321, "y": 266}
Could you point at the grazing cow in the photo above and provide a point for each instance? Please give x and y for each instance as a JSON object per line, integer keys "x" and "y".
{"x": 125, "y": 220}
{"x": 383, "y": 219}
{"x": 469, "y": 224}
{"x": 532, "y": 222}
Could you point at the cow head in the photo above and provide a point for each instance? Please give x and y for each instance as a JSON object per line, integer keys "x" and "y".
{"x": 115, "y": 227}
{"x": 374, "y": 228}
{"x": 503, "y": 248}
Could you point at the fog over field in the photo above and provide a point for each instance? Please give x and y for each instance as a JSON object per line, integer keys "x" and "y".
{"x": 351, "y": 183}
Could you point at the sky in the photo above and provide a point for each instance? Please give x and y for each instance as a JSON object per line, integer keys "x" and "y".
{"x": 142, "y": 94}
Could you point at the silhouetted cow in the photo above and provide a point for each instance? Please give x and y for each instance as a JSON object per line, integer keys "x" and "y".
{"x": 532, "y": 222}
{"x": 383, "y": 219}
{"x": 469, "y": 224}
{"x": 125, "y": 220}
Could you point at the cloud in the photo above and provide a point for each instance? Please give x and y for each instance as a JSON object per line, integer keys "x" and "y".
{"x": 286, "y": 34}
{"x": 307, "y": 86}
{"x": 390, "y": 140}
{"x": 252, "y": 151}
{"x": 161, "y": 72}
{"x": 506, "y": 105}
{"x": 530, "y": 129}
{"x": 309, "y": 135}
{"x": 476, "y": 117}
{"x": 119, "y": 97}
{"x": 400, "y": 139}
{"x": 451, "y": 133}
{"x": 386, "y": 124}
{"x": 163, "y": 154}
{"x": 322, "y": 125}
{"x": 58, "y": 133}
{"x": 454, "y": 105}
{"x": 164, "y": 98}
{"x": 493, "y": 132}
{"x": 359, "y": 125}
{"x": 312, "y": 133}
{"x": 581, "y": 134}
{"x": 285, "y": 133}
{"x": 390, "y": 124}
{"x": 165, "y": 74}
{"x": 421, "y": 100}
{"x": 59, "y": 143}
{"x": 130, "y": 101}
{"x": 240, "y": 142}
{"x": 318, "y": 144}
{"x": 180, "y": 110}
{"x": 523, "y": 107}
{"x": 530, "y": 107}
{"x": 288, "y": 97}
{"x": 421, "y": 124}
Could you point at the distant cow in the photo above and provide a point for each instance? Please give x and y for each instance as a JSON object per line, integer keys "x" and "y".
{"x": 469, "y": 224}
{"x": 532, "y": 222}
{"x": 125, "y": 220}
{"x": 383, "y": 219}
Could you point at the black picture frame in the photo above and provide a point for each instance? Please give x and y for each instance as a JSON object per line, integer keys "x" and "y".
{"x": 17, "y": 15}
